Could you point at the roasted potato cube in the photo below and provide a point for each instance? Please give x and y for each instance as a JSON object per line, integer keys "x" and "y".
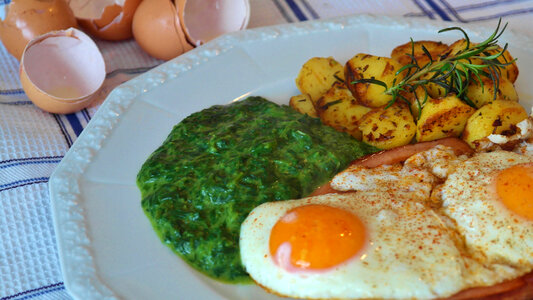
{"x": 483, "y": 94}
{"x": 387, "y": 128}
{"x": 337, "y": 108}
{"x": 510, "y": 72}
{"x": 303, "y": 104}
{"x": 402, "y": 53}
{"x": 498, "y": 117}
{"x": 417, "y": 100}
{"x": 443, "y": 117}
{"x": 317, "y": 75}
{"x": 371, "y": 67}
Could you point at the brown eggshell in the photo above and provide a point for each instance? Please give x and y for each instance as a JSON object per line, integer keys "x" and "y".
{"x": 27, "y": 19}
{"x": 157, "y": 30}
{"x": 60, "y": 71}
{"x": 203, "y": 21}
{"x": 114, "y": 24}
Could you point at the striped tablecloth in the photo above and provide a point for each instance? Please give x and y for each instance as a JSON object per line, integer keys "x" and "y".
{"x": 32, "y": 142}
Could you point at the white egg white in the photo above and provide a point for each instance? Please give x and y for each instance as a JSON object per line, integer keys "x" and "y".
{"x": 409, "y": 252}
{"x": 496, "y": 237}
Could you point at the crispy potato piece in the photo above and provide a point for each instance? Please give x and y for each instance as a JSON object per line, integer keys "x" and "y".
{"x": 303, "y": 104}
{"x": 368, "y": 66}
{"x": 444, "y": 117}
{"x": 417, "y": 100}
{"x": 317, "y": 75}
{"x": 481, "y": 95}
{"x": 337, "y": 108}
{"x": 402, "y": 53}
{"x": 498, "y": 117}
{"x": 510, "y": 72}
{"x": 387, "y": 128}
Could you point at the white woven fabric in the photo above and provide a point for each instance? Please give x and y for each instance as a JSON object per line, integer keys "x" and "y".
{"x": 32, "y": 142}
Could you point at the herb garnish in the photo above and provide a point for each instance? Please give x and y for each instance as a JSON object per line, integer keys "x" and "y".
{"x": 454, "y": 72}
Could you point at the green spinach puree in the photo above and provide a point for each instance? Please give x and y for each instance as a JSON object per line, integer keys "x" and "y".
{"x": 218, "y": 164}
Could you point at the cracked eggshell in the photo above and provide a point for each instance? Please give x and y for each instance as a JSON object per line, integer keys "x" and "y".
{"x": 106, "y": 19}
{"x": 168, "y": 28}
{"x": 204, "y": 20}
{"x": 27, "y": 19}
{"x": 157, "y": 30}
{"x": 60, "y": 71}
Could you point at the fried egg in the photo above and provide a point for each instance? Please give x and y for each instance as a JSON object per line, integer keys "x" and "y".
{"x": 389, "y": 240}
{"x": 367, "y": 244}
{"x": 490, "y": 199}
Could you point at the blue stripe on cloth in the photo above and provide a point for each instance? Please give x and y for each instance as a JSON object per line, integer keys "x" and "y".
{"x": 30, "y": 163}
{"x": 310, "y": 9}
{"x": 30, "y": 158}
{"x": 19, "y": 183}
{"x": 5, "y": 2}
{"x": 17, "y": 103}
{"x": 486, "y": 4}
{"x": 452, "y": 11}
{"x": 86, "y": 115}
{"x": 41, "y": 293}
{"x": 504, "y": 14}
{"x": 283, "y": 11}
{"x": 68, "y": 139}
{"x": 74, "y": 123}
{"x": 438, "y": 10}
{"x": 424, "y": 10}
{"x": 296, "y": 10}
{"x": 55, "y": 285}
{"x": 23, "y": 181}
{"x": 12, "y": 92}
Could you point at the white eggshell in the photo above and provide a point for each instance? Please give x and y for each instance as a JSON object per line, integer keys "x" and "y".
{"x": 60, "y": 71}
{"x": 204, "y": 20}
{"x": 91, "y": 9}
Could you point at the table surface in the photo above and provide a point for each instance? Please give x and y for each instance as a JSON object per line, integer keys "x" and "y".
{"x": 33, "y": 142}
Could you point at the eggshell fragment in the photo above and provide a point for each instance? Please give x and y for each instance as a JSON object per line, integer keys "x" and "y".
{"x": 113, "y": 24}
{"x": 157, "y": 30}
{"x": 27, "y": 19}
{"x": 204, "y": 20}
{"x": 60, "y": 71}
{"x": 92, "y": 9}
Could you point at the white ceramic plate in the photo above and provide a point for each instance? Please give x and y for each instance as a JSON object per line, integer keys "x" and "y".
{"x": 106, "y": 244}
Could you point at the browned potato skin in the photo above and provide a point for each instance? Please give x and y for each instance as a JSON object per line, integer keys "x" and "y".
{"x": 416, "y": 105}
{"x": 483, "y": 94}
{"x": 337, "y": 108}
{"x": 365, "y": 66}
{"x": 387, "y": 128}
{"x": 303, "y": 104}
{"x": 510, "y": 72}
{"x": 401, "y": 53}
{"x": 444, "y": 117}
{"x": 317, "y": 75}
{"x": 498, "y": 117}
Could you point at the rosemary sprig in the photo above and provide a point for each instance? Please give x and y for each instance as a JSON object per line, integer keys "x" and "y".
{"x": 452, "y": 71}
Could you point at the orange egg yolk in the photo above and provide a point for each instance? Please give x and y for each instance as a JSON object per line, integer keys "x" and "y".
{"x": 319, "y": 236}
{"x": 515, "y": 189}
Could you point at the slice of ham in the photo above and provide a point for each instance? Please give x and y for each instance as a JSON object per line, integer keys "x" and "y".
{"x": 520, "y": 288}
{"x": 398, "y": 155}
